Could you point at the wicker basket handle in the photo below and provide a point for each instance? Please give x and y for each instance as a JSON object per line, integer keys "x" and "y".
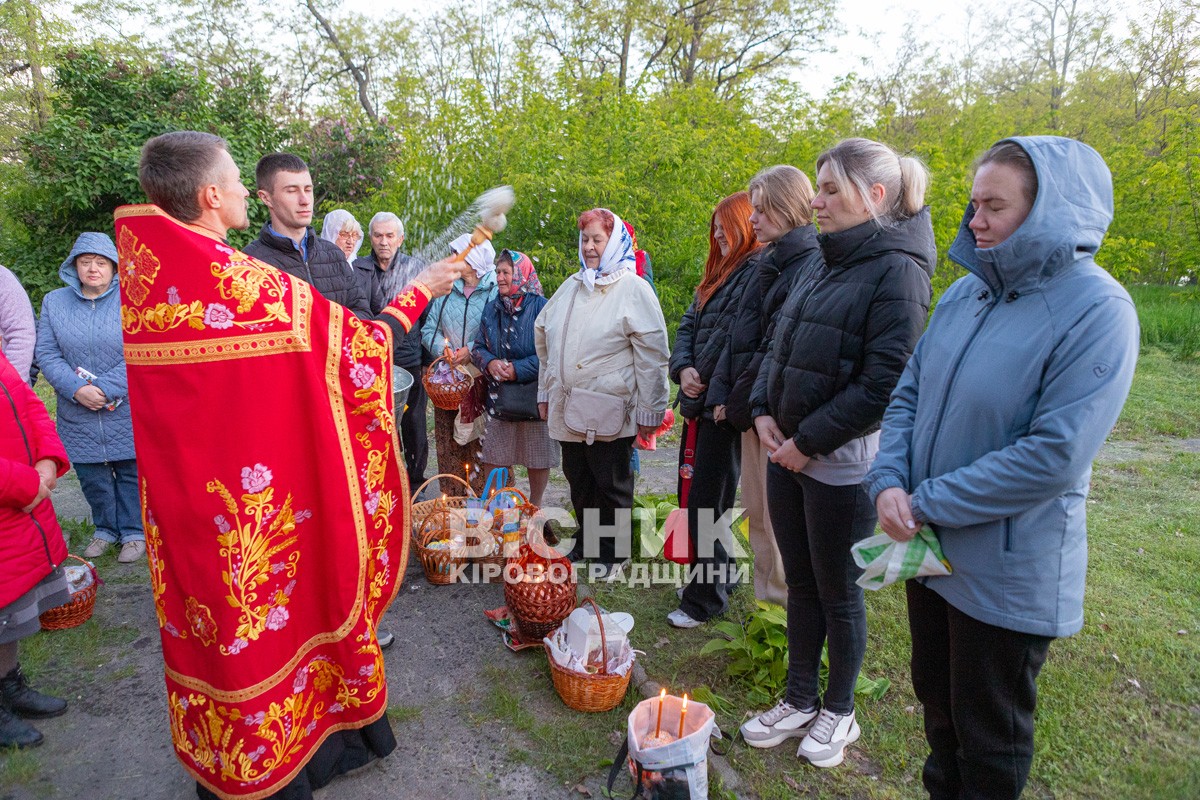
{"x": 603, "y": 640}
{"x": 421, "y": 488}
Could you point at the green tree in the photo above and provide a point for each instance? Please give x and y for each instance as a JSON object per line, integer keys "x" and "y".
{"x": 82, "y": 163}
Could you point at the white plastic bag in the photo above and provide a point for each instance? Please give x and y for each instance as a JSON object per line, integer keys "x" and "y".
{"x": 884, "y": 560}
{"x": 664, "y": 770}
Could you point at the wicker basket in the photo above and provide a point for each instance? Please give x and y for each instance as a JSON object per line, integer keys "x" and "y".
{"x": 539, "y": 606}
{"x": 441, "y": 565}
{"x": 587, "y": 691}
{"x": 78, "y": 610}
{"x": 447, "y": 396}
{"x": 422, "y": 509}
{"x": 510, "y": 541}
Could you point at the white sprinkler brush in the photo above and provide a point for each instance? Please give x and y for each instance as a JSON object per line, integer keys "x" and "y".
{"x": 493, "y": 205}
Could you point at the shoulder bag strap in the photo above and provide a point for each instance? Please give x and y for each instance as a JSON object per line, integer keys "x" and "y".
{"x": 562, "y": 350}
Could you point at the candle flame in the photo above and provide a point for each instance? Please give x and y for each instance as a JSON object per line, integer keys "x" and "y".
{"x": 684, "y": 701}
{"x": 662, "y": 694}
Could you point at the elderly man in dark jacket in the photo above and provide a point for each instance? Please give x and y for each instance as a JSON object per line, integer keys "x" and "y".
{"x": 288, "y": 242}
{"x": 379, "y": 275}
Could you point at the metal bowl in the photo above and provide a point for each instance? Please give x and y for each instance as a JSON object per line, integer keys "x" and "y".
{"x": 402, "y": 382}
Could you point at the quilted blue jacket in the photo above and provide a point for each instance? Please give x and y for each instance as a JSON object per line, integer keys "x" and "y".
{"x": 75, "y": 331}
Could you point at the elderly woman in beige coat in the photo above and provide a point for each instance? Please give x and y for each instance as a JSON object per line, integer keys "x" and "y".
{"x": 602, "y": 343}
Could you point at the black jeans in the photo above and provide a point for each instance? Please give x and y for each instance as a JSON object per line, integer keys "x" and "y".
{"x": 815, "y": 525}
{"x": 978, "y": 684}
{"x": 601, "y": 477}
{"x": 413, "y": 435}
{"x": 718, "y": 466}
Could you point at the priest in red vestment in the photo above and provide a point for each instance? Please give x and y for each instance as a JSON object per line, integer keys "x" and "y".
{"x": 273, "y": 488}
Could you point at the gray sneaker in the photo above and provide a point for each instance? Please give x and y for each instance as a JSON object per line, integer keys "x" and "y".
{"x": 825, "y": 744}
{"x": 774, "y": 727}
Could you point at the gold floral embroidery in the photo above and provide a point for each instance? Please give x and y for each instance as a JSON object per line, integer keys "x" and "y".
{"x": 407, "y": 299}
{"x": 139, "y": 266}
{"x": 207, "y": 733}
{"x": 201, "y": 619}
{"x": 244, "y": 279}
{"x": 154, "y": 561}
{"x": 163, "y": 317}
{"x": 259, "y": 532}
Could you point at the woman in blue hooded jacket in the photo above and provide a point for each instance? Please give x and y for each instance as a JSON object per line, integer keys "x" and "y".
{"x": 81, "y": 353}
{"x": 989, "y": 439}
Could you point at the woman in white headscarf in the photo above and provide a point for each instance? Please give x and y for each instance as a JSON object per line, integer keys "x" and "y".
{"x": 341, "y": 228}
{"x": 602, "y": 343}
{"x": 452, "y": 322}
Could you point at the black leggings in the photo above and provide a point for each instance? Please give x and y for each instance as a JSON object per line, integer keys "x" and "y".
{"x": 718, "y": 466}
{"x": 815, "y": 525}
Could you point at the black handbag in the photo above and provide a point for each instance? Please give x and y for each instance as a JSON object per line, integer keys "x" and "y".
{"x": 516, "y": 402}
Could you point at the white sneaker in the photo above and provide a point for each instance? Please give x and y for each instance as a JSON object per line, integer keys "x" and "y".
{"x": 681, "y": 619}
{"x": 825, "y": 744}
{"x": 773, "y": 727}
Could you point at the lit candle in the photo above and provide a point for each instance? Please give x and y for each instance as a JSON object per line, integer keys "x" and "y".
{"x": 682, "y": 714}
{"x": 658, "y": 725}
{"x": 467, "y": 472}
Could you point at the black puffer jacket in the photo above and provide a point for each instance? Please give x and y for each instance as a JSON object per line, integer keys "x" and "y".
{"x": 371, "y": 279}
{"x": 700, "y": 342}
{"x": 842, "y": 338}
{"x": 761, "y": 289}
{"x": 325, "y": 269}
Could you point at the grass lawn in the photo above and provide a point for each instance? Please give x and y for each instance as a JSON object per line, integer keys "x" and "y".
{"x": 1119, "y": 705}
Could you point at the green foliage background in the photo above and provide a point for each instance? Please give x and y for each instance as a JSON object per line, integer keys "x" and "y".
{"x": 661, "y": 154}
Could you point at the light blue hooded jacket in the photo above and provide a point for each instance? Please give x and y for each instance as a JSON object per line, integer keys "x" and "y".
{"x": 77, "y": 331}
{"x": 1008, "y": 398}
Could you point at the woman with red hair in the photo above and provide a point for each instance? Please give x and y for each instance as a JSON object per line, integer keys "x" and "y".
{"x": 710, "y": 452}
{"x": 602, "y": 345}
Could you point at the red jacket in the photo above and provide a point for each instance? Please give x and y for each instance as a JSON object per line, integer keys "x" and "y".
{"x": 31, "y": 543}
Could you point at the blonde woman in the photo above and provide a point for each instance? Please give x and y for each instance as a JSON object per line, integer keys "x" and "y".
{"x": 841, "y": 341}
{"x": 781, "y": 199}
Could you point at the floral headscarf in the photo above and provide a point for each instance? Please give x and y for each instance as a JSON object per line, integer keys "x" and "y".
{"x": 524, "y": 280}
{"x": 616, "y": 259}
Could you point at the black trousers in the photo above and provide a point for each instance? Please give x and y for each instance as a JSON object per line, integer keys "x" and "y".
{"x": 717, "y": 469}
{"x": 601, "y": 477}
{"x": 815, "y": 525}
{"x": 978, "y": 683}
{"x": 413, "y": 435}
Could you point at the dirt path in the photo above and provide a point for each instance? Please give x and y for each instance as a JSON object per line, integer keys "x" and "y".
{"x": 114, "y": 741}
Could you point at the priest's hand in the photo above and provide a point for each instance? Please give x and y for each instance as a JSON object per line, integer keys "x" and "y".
{"x": 440, "y": 276}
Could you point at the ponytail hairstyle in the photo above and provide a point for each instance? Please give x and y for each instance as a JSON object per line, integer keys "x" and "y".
{"x": 785, "y": 194}
{"x": 859, "y": 164}
{"x": 1011, "y": 154}
{"x": 734, "y": 215}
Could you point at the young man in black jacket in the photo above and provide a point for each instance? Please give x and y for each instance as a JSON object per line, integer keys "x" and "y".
{"x": 288, "y": 242}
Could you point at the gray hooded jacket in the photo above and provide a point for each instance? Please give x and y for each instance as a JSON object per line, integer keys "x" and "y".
{"x": 1008, "y": 398}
